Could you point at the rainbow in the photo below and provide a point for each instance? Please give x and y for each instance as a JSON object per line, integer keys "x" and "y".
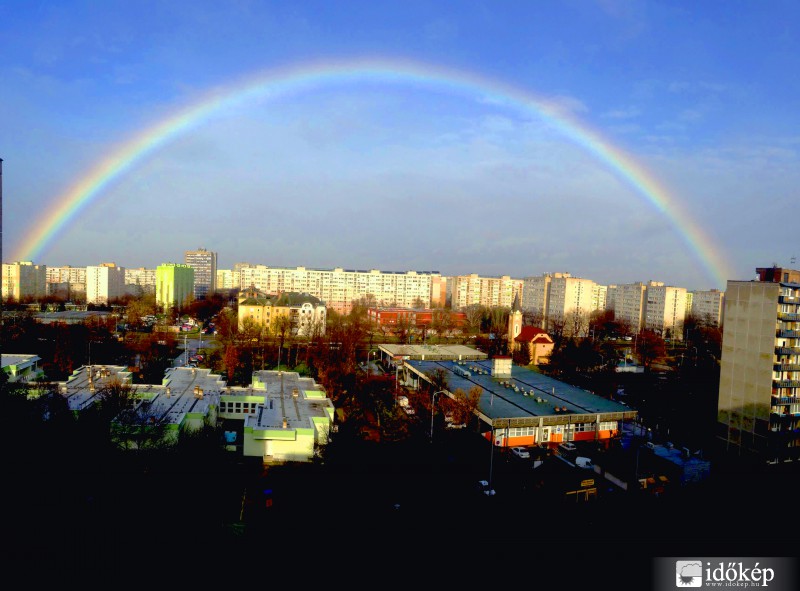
{"x": 281, "y": 82}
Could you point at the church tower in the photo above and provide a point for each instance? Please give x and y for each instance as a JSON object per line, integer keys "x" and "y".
{"x": 514, "y": 322}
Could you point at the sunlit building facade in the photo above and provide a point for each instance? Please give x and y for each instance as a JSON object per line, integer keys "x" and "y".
{"x": 758, "y": 410}
{"x": 174, "y": 285}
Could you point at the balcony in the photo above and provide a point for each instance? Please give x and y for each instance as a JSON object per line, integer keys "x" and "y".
{"x": 786, "y": 367}
{"x": 788, "y": 300}
{"x": 786, "y": 384}
{"x": 776, "y": 400}
{"x": 787, "y": 350}
{"x": 786, "y": 317}
{"x": 789, "y": 334}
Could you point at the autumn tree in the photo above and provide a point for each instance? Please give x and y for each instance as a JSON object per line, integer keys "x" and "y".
{"x": 650, "y": 348}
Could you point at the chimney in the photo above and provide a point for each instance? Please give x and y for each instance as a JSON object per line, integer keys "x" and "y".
{"x": 501, "y": 367}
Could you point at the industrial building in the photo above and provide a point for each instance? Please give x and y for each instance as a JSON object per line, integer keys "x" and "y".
{"x": 519, "y": 406}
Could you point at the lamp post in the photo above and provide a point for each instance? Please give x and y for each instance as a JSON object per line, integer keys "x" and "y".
{"x": 433, "y": 401}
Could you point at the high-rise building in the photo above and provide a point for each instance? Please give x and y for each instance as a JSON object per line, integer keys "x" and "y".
{"x": 104, "y": 283}
{"x": 66, "y": 281}
{"x": 140, "y": 281}
{"x": 204, "y": 263}
{"x": 708, "y": 305}
{"x": 759, "y": 392}
{"x": 629, "y": 304}
{"x": 569, "y": 303}
{"x": 665, "y": 309}
{"x": 467, "y": 290}
{"x": 339, "y": 288}
{"x": 24, "y": 280}
{"x": 535, "y": 293}
{"x": 228, "y": 279}
{"x": 174, "y": 285}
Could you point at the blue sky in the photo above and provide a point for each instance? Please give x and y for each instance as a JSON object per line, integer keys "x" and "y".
{"x": 703, "y": 95}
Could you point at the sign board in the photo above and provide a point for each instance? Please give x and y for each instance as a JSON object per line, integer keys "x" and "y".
{"x": 587, "y": 482}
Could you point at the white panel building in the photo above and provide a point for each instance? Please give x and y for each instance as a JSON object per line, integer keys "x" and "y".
{"x": 104, "y": 282}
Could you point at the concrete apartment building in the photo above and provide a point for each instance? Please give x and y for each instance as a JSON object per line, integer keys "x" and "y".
{"x": 204, "y": 263}
{"x": 629, "y": 304}
{"x": 339, "y": 288}
{"x": 228, "y": 280}
{"x": 570, "y": 301}
{"x": 140, "y": 281}
{"x": 665, "y": 309}
{"x": 758, "y": 410}
{"x": 23, "y": 280}
{"x": 468, "y": 290}
{"x": 562, "y": 298}
{"x": 104, "y": 282}
{"x": 174, "y": 285}
{"x": 599, "y": 297}
{"x": 66, "y": 281}
{"x": 708, "y": 305}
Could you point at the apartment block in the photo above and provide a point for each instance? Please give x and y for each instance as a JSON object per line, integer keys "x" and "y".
{"x": 599, "y": 297}
{"x": 228, "y": 279}
{"x": 340, "y": 288}
{"x": 467, "y": 290}
{"x": 140, "y": 281}
{"x": 174, "y": 285}
{"x": 759, "y": 394}
{"x": 629, "y": 304}
{"x": 24, "y": 280}
{"x": 535, "y": 291}
{"x": 66, "y": 281}
{"x": 708, "y": 305}
{"x": 665, "y": 309}
{"x": 204, "y": 263}
{"x": 570, "y": 301}
{"x": 104, "y": 283}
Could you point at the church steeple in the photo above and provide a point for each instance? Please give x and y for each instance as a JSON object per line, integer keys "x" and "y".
{"x": 514, "y": 322}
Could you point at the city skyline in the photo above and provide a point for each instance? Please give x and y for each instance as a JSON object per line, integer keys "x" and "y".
{"x": 617, "y": 141}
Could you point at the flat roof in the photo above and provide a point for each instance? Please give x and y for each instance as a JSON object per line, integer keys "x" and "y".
{"x": 537, "y": 395}
{"x": 78, "y": 387}
{"x": 424, "y": 351}
{"x": 278, "y": 388}
{"x": 7, "y": 359}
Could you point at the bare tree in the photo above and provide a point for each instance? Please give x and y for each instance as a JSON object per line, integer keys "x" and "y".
{"x": 577, "y": 323}
{"x": 474, "y": 317}
{"x": 533, "y": 318}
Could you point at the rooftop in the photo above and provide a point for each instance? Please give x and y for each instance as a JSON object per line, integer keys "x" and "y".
{"x": 525, "y": 394}
{"x": 435, "y": 352}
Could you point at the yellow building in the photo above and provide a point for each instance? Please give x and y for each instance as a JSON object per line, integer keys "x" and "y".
{"x": 759, "y": 390}
{"x": 22, "y": 280}
{"x": 304, "y": 312}
{"x": 174, "y": 285}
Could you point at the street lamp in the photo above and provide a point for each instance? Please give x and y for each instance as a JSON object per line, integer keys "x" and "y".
{"x": 433, "y": 401}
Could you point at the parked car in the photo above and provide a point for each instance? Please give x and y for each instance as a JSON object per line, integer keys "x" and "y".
{"x": 521, "y": 452}
{"x": 567, "y": 447}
